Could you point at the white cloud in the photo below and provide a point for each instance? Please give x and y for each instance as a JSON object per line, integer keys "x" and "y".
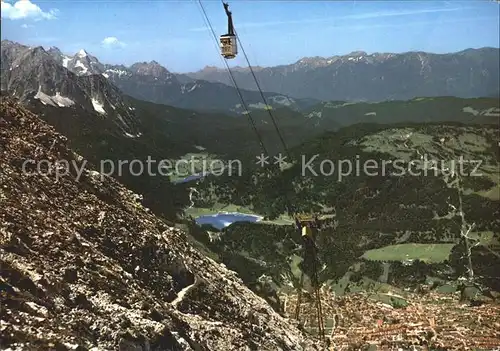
{"x": 26, "y": 26}
{"x": 24, "y": 9}
{"x": 112, "y": 42}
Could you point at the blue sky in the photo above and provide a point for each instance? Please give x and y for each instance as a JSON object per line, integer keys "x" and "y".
{"x": 272, "y": 32}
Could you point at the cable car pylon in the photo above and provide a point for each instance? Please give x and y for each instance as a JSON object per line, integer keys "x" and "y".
{"x": 309, "y": 225}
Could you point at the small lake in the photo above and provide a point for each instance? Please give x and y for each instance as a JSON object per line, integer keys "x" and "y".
{"x": 222, "y": 220}
{"x": 190, "y": 178}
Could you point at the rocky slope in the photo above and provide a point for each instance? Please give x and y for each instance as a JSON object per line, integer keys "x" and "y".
{"x": 86, "y": 266}
{"x": 359, "y": 76}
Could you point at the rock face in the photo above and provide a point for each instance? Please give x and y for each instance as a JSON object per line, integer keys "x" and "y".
{"x": 33, "y": 74}
{"x": 86, "y": 266}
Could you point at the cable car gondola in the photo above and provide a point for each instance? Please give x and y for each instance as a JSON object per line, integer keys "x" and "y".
{"x": 228, "y": 44}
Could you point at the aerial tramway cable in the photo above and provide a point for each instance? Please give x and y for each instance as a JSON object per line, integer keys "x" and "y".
{"x": 207, "y": 20}
{"x": 290, "y": 209}
{"x": 243, "y": 103}
{"x": 262, "y": 94}
{"x": 289, "y": 206}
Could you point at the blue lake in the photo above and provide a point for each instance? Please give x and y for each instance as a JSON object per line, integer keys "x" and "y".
{"x": 222, "y": 220}
{"x": 191, "y": 177}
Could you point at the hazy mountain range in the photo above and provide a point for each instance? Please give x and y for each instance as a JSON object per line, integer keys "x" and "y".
{"x": 85, "y": 84}
{"x": 359, "y": 76}
{"x": 147, "y": 81}
{"x": 299, "y": 86}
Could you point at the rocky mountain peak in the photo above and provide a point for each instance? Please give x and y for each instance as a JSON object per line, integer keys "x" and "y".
{"x": 247, "y": 69}
{"x": 38, "y": 50}
{"x": 37, "y": 58}
{"x": 84, "y": 64}
{"x": 209, "y": 69}
{"x": 151, "y": 68}
{"x": 54, "y": 50}
{"x": 311, "y": 62}
{"x": 36, "y": 76}
{"x": 357, "y": 53}
{"x": 82, "y": 53}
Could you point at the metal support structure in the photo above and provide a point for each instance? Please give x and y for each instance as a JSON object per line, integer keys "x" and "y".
{"x": 315, "y": 285}
{"x": 308, "y": 225}
{"x": 299, "y": 296}
{"x": 230, "y": 25}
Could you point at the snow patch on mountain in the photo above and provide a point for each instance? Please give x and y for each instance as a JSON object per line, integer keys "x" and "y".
{"x": 66, "y": 60}
{"x": 79, "y": 64}
{"x": 125, "y": 126}
{"x": 98, "y": 107}
{"x": 193, "y": 87}
{"x": 56, "y": 100}
{"x": 282, "y": 100}
{"x": 355, "y": 59}
{"x": 118, "y": 72}
{"x": 62, "y": 101}
{"x": 258, "y": 105}
{"x": 315, "y": 114}
{"x": 490, "y": 112}
{"x": 132, "y": 136}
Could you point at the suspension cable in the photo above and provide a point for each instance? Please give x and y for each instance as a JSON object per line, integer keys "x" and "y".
{"x": 290, "y": 101}
{"x": 260, "y": 91}
{"x": 291, "y": 209}
{"x": 262, "y": 95}
{"x": 243, "y": 103}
